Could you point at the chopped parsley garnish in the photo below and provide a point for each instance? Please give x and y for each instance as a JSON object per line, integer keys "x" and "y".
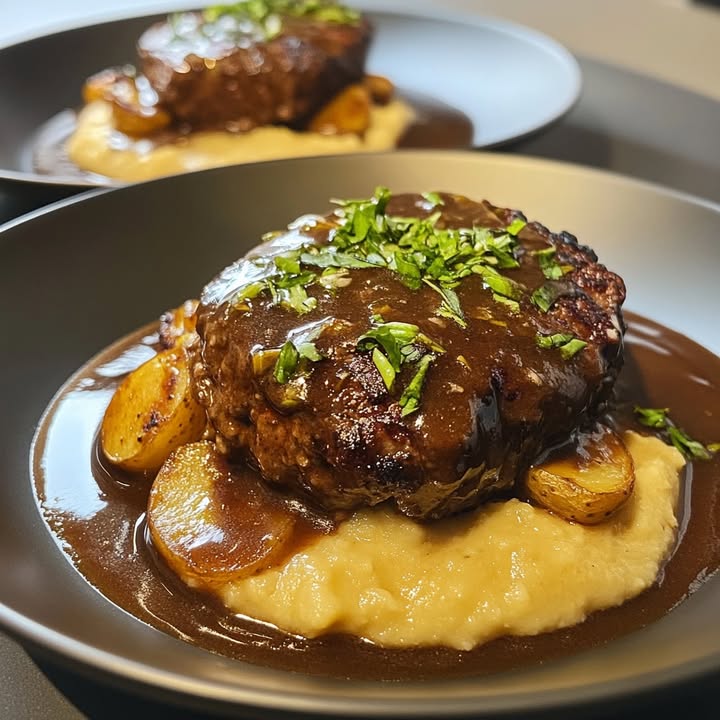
{"x": 397, "y": 340}
{"x": 410, "y": 399}
{"x": 290, "y": 358}
{"x": 547, "y": 294}
{"x": 571, "y": 348}
{"x": 286, "y": 363}
{"x": 433, "y": 199}
{"x": 308, "y": 351}
{"x": 385, "y": 367}
{"x": 515, "y": 226}
{"x": 504, "y": 289}
{"x": 395, "y": 344}
{"x": 568, "y": 344}
{"x": 549, "y": 265}
{"x": 652, "y": 417}
{"x": 419, "y": 251}
{"x": 266, "y": 15}
{"x": 659, "y": 419}
{"x": 450, "y": 305}
{"x": 328, "y": 257}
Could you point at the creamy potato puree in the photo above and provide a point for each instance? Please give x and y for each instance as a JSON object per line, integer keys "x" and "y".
{"x": 97, "y": 147}
{"x": 507, "y": 569}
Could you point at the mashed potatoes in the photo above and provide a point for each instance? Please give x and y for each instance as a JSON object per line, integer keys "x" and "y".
{"x": 97, "y": 147}
{"x": 507, "y": 569}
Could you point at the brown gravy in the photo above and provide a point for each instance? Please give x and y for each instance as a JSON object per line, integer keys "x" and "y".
{"x": 98, "y": 518}
{"x": 436, "y": 125}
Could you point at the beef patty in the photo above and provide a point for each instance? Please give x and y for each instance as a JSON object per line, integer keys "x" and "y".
{"x": 237, "y": 70}
{"x": 365, "y": 356}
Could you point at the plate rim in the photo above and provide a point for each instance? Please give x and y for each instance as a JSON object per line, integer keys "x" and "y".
{"x": 106, "y": 663}
{"x": 649, "y": 185}
{"x": 536, "y": 38}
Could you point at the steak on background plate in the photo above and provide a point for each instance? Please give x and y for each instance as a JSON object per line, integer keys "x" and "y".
{"x": 235, "y": 69}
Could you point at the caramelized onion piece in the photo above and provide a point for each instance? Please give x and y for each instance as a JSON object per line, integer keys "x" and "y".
{"x": 211, "y": 523}
{"x": 588, "y": 483}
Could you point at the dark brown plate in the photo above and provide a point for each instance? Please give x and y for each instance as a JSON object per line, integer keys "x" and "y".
{"x": 75, "y": 277}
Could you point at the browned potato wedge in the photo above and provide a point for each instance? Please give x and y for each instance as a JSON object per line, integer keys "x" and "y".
{"x": 99, "y": 86}
{"x": 212, "y": 524}
{"x": 130, "y": 116}
{"x": 152, "y": 413}
{"x": 348, "y": 112}
{"x": 380, "y": 88}
{"x": 177, "y": 323}
{"x": 587, "y": 485}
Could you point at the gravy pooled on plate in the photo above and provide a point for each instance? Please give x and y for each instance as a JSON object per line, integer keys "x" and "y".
{"x": 376, "y": 304}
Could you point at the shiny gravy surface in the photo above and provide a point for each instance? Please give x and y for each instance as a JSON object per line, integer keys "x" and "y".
{"x": 97, "y": 515}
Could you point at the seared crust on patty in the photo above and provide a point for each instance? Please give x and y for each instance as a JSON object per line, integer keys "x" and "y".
{"x": 492, "y": 398}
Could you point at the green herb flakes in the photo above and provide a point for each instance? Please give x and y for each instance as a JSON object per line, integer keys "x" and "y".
{"x": 546, "y": 295}
{"x": 385, "y": 368}
{"x": 659, "y": 419}
{"x": 410, "y": 399}
{"x": 433, "y": 199}
{"x": 652, "y": 417}
{"x": 286, "y": 363}
{"x": 296, "y": 297}
{"x": 392, "y": 337}
{"x": 308, "y": 351}
{"x": 450, "y": 305}
{"x": 395, "y": 344}
{"x": 548, "y": 264}
{"x": 250, "y": 291}
{"x": 566, "y": 343}
{"x": 500, "y": 284}
{"x": 419, "y": 251}
{"x": 515, "y": 226}
{"x": 267, "y": 15}
{"x": 290, "y": 359}
{"x": 326, "y": 257}
{"x": 572, "y": 348}
{"x": 512, "y": 305}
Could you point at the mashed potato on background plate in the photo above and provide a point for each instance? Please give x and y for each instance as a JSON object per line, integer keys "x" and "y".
{"x": 97, "y": 147}
{"x": 507, "y": 569}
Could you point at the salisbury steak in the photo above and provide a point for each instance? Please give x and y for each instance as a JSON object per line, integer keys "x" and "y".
{"x": 424, "y": 349}
{"x": 253, "y": 64}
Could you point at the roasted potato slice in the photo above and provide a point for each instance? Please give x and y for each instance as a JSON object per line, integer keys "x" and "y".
{"x": 130, "y": 115}
{"x": 133, "y": 114}
{"x": 177, "y": 324}
{"x": 99, "y": 86}
{"x": 588, "y": 484}
{"x": 380, "y": 88}
{"x": 348, "y": 112}
{"x": 213, "y": 524}
{"x": 152, "y": 413}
